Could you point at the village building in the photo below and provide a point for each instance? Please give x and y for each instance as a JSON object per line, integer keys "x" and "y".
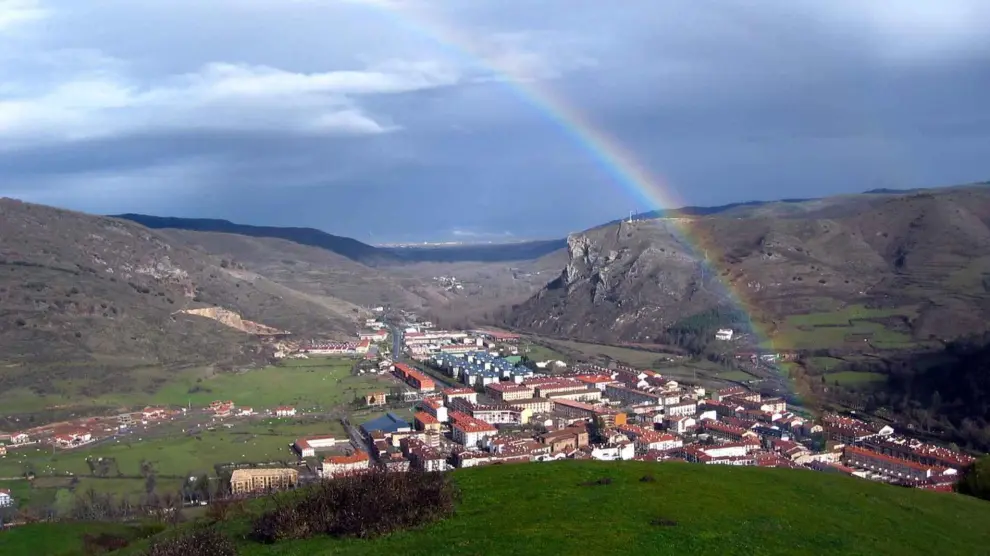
{"x": 534, "y": 405}
{"x": 507, "y": 391}
{"x": 6, "y": 499}
{"x": 891, "y": 467}
{"x": 285, "y": 411}
{"x": 244, "y": 481}
{"x": 469, "y": 431}
{"x": 469, "y": 394}
{"x": 375, "y": 399}
{"x": 307, "y": 447}
{"x": 337, "y": 466}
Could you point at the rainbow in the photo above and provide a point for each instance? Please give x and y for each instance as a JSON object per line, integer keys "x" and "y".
{"x": 616, "y": 160}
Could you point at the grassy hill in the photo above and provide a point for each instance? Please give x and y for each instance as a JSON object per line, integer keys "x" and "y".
{"x": 686, "y": 509}
{"x": 90, "y": 305}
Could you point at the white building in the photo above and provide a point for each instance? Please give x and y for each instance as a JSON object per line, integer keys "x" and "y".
{"x": 307, "y": 447}
{"x": 5, "y": 498}
{"x": 681, "y": 408}
{"x": 285, "y": 411}
{"x": 623, "y": 451}
{"x": 724, "y": 334}
{"x": 680, "y": 425}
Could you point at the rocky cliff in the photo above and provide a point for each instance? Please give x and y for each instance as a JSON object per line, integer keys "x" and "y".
{"x": 922, "y": 255}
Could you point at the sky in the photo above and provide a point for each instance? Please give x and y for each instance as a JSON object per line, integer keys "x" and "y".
{"x": 437, "y": 120}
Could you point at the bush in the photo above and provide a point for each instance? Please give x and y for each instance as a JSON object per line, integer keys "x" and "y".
{"x": 103, "y": 542}
{"x": 598, "y": 482}
{"x": 204, "y": 542}
{"x": 975, "y": 480}
{"x": 647, "y": 479}
{"x": 364, "y": 506}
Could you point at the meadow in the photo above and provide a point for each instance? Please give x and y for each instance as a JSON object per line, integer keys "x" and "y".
{"x": 854, "y": 379}
{"x": 847, "y": 328}
{"x": 679, "y": 509}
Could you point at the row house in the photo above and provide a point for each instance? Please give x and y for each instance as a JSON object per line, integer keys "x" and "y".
{"x": 469, "y": 394}
{"x": 891, "y": 467}
{"x": 724, "y": 393}
{"x": 581, "y": 410}
{"x": 789, "y": 449}
{"x": 515, "y": 445}
{"x": 680, "y": 408}
{"x": 595, "y": 381}
{"x": 501, "y": 414}
{"x": 846, "y": 430}
{"x": 72, "y": 438}
{"x": 507, "y": 391}
{"x": 534, "y": 405}
{"x": 630, "y": 396}
{"x": 733, "y": 449}
{"x": 694, "y": 454}
{"x": 646, "y": 439}
{"x": 560, "y": 387}
{"x": 477, "y": 459}
{"x": 914, "y": 450}
{"x": 285, "y": 411}
{"x": 222, "y": 409}
{"x": 726, "y": 433}
{"x": 585, "y": 395}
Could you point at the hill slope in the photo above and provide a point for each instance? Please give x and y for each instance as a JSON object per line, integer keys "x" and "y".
{"x": 916, "y": 263}
{"x": 348, "y": 247}
{"x": 93, "y": 298}
{"x": 687, "y": 509}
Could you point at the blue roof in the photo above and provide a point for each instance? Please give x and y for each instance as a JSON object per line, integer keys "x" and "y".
{"x": 390, "y": 422}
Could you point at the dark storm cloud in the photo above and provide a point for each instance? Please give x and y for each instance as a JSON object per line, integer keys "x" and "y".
{"x": 350, "y": 117}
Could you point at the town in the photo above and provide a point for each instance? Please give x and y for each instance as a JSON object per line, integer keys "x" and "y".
{"x": 469, "y": 400}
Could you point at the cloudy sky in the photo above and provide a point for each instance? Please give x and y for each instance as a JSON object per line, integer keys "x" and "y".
{"x": 392, "y": 120}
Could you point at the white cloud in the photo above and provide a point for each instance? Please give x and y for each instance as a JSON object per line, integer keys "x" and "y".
{"x": 14, "y": 13}
{"x": 101, "y": 101}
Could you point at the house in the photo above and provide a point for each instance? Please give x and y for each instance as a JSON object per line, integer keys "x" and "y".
{"x": 470, "y": 431}
{"x": 630, "y": 396}
{"x": 245, "y": 411}
{"x": 469, "y": 394}
{"x": 285, "y": 411}
{"x": 20, "y": 438}
{"x": 222, "y": 409}
{"x": 307, "y": 447}
{"x": 726, "y": 433}
{"x": 435, "y": 408}
{"x": 595, "y": 381}
{"x": 153, "y": 413}
{"x": 427, "y": 422}
{"x": 681, "y": 425}
{"x": 723, "y": 334}
{"x": 567, "y": 439}
{"x": 5, "y": 498}
{"x": 534, "y": 405}
{"x": 243, "y": 481}
{"x": 681, "y": 408}
{"x": 336, "y": 466}
{"x": 375, "y": 399}
{"x": 72, "y": 438}
{"x": 379, "y": 335}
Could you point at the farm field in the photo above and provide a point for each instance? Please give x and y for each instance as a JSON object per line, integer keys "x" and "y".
{"x": 842, "y": 328}
{"x": 177, "y": 456}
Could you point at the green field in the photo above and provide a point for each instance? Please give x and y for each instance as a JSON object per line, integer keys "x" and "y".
{"x": 700, "y": 509}
{"x": 856, "y": 379}
{"x": 316, "y": 383}
{"x": 538, "y": 352}
{"x": 177, "y": 456}
{"x": 833, "y": 328}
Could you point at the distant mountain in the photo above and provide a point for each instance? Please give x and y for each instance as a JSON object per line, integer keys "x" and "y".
{"x": 498, "y": 252}
{"x": 355, "y": 250}
{"x": 348, "y": 247}
{"x": 916, "y": 264}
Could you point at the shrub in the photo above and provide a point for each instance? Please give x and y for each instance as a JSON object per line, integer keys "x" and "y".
{"x": 647, "y": 479}
{"x": 203, "y": 542}
{"x": 598, "y": 482}
{"x": 364, "y": 506}
{"x": 975, "y": 479}
{"x": 103, "y": 542}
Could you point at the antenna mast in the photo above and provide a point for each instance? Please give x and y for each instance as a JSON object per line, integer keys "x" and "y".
{"x": 630, "y": 217}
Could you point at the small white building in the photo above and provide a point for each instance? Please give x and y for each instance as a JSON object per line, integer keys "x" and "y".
{"x": 614, "y": 452}
{"x": 307, "y": 447}
{"x": 285, "y": 411}
{"x": 724, "y": 334}
{"x": 20, "y": 438}
{"x": 5, "y": 498}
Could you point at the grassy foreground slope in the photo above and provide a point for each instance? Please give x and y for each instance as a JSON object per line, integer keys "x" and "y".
{"x": 545, "y": 509}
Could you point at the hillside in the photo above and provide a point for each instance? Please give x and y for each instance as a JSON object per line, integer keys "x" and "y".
{"x": 687, "y": 509}
{"x": 86, "y": 300}
{"x": 890, "y": 269}
{"x": 345, "y": 246}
